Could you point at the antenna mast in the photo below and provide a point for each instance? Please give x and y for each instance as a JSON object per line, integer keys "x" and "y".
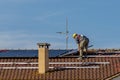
{"x": 67, "y": 33}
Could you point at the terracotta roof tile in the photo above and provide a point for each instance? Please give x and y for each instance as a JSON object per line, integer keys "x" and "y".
{"x": 105, "y": 71}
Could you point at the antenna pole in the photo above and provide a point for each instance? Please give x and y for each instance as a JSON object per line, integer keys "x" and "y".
{"x": 67, "y": 33}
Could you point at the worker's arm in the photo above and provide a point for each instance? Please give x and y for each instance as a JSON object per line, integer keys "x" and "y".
{"x": 77, "y": 40}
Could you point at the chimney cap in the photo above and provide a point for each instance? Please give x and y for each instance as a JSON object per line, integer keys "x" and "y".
{"x": 43, "y": 44}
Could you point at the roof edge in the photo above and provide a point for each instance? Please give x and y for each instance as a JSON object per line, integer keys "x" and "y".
{"x": 114, "y": 76}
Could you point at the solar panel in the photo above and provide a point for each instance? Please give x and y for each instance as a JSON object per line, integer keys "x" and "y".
{"x": 69, "y": 52}
{"x": 56, "y": 53}
{"x": 29, "y": 53}
{"x": 19, "y": 53}
{"x": 52, "y": 53}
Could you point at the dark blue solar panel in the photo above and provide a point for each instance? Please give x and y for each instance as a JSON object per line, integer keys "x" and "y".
{"x": 29, "y": 53}
{"x": 19, "y": 53}
{"x": 56, "y": 53}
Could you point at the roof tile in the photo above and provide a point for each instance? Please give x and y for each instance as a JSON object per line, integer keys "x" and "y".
{"x": 105, "y": 70}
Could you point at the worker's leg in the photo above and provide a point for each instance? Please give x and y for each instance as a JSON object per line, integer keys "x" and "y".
{"x": 86, "y": 46}
{"x": 81, "y": 48}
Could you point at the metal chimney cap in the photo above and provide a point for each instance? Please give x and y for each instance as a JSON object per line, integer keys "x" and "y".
{"x": 43, "y": 44}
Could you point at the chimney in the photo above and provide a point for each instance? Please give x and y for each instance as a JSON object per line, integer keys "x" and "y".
{"x": 43, "y": 58}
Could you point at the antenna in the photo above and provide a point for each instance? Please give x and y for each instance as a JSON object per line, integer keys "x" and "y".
{"x": 66, "y": 33}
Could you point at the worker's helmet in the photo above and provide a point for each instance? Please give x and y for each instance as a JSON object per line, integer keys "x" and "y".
{"x": 74, "y": 35}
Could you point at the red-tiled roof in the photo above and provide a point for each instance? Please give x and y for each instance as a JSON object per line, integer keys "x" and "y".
{"x": 103, "y": 72}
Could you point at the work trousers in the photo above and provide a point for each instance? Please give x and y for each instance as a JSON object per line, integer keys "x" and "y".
{"x": 83, "y": 45}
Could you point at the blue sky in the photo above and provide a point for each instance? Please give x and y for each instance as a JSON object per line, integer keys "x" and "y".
{"x": 24, "y": 23}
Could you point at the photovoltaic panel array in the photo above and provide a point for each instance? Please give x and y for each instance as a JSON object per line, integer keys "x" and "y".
{"x": 29, "y": 53}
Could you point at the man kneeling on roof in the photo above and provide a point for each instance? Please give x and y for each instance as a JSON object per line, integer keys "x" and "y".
{"x": 82, "y": 42}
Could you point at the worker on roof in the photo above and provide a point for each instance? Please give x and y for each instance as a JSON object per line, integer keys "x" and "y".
{"x": 82, "y": 42}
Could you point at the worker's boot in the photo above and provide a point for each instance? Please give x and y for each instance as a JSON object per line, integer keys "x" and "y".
{"x": 85, "y": 55}
{"x": 80, "y": 58}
